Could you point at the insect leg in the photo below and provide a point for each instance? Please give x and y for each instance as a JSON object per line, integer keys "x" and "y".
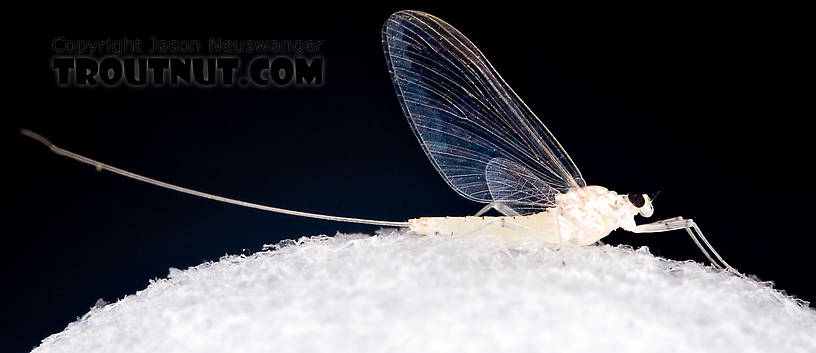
{"x": 693, "y": 231}
{"x": 717, "y": 255}
{"x": 663, "y": 225}
{"x": 558, "y": 228}
{"x": 499, "y": 206}
{"x": 674, "y": 224}
{"x": 560, "y": 238}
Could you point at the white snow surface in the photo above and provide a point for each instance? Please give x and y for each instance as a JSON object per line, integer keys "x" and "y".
{"x": 400, "y": 292}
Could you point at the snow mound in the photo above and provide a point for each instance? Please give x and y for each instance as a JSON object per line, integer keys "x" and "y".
{"x": 400, "y": 292}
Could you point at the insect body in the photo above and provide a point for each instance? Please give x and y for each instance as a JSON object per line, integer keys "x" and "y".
{"x": 487, "y": 145}
{"x": 580, "y": 217}
{"x": 491, "y": 148}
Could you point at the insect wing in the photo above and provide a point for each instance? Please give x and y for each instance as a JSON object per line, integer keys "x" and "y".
{"x": 465, "y": 116}
{"x": 517, "y": 187}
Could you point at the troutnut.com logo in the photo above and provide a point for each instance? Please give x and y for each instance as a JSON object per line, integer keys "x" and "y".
{"x": 186, "y": 63}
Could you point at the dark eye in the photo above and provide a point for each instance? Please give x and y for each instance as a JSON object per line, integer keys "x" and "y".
{"x": 637, "y": 200}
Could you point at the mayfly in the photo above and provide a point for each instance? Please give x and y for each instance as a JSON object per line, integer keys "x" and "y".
{"x": 487, "y": 145}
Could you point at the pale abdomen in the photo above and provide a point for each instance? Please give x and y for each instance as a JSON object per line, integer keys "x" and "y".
{"x": 541, "y": 226}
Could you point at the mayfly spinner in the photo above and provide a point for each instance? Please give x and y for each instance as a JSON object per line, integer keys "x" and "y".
{"x": 487, "y": 145}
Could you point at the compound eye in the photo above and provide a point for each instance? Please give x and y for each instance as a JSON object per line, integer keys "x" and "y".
{"x": 637, "y": 199}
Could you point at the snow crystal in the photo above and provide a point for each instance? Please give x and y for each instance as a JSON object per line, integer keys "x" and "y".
{"x": 400, "y": 292}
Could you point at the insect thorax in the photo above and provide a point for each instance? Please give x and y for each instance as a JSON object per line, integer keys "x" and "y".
{"x": 590, "y": 213}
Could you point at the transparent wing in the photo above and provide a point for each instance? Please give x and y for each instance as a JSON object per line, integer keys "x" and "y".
{"x": 518, "y": 187}
{"x": 465, "y": 116}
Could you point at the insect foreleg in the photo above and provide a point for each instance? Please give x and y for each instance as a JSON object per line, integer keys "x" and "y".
{"x": 693, "y": 231}
{"x": 663, "y": 225}
{"x": 670, "y": 224}
{"x": 717, "y": 255}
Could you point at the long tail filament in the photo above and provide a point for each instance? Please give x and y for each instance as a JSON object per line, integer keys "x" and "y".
{"x": 103, "y": 166}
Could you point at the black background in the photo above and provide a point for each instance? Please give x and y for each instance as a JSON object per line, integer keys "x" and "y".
{"x": 706, "y": 104}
